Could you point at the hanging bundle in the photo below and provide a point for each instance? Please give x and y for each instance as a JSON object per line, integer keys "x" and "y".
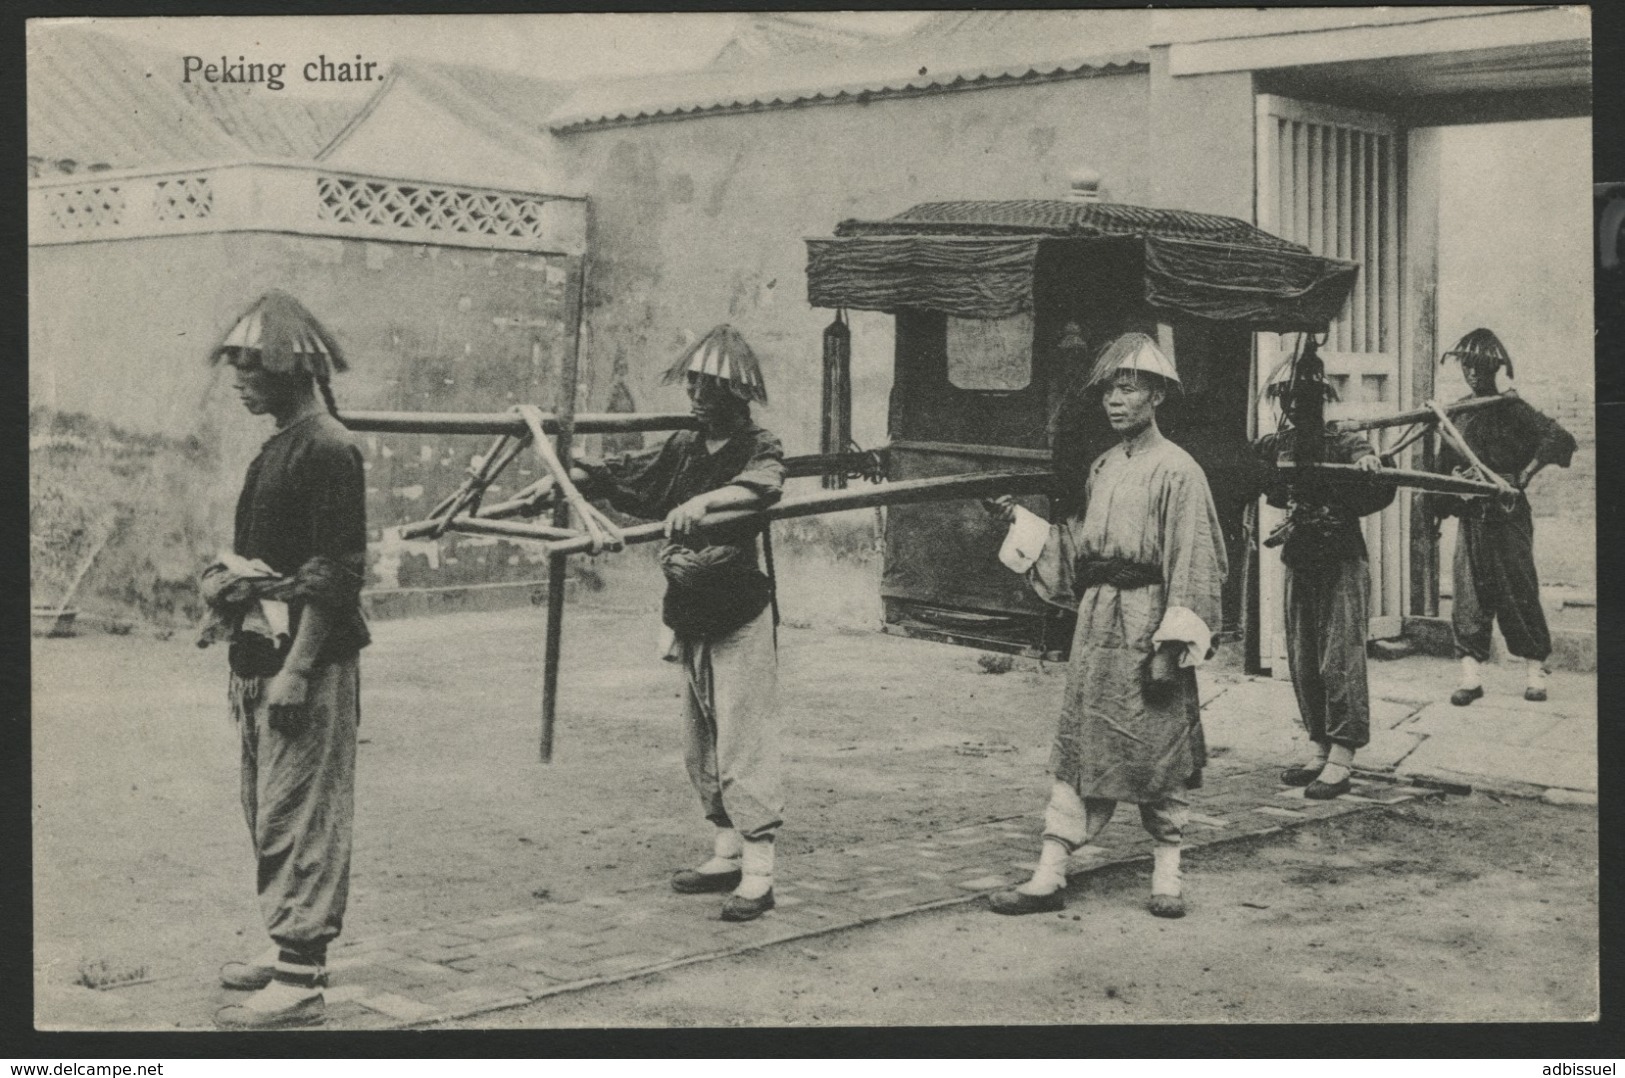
{"x": 836, "y": 433}
{"x": 1305, "y": 404}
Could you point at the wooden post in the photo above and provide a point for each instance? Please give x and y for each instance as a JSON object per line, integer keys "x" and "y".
{"x": 565, "y": 413}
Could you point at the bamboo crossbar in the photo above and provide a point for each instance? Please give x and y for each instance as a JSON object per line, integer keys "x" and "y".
{"x": 482, "y": 526}
{"x": 510, "y": 423}
{"x": 1448, "y": 431}
{"x": 1421, "y": 415}
{"x": 1430, "y": 482}
{"x": 907, "y": 492}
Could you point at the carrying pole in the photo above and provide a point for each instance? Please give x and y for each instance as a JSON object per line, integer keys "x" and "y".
{"x": 564, "y": 414}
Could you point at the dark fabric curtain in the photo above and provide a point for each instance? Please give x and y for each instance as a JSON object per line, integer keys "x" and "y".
{"x": 1281, "y": 291}
{"x": 1264, "y": 288}
{"x": 969, "y": 277}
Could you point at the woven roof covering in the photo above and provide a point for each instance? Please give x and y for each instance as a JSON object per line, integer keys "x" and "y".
{"x": 1055, "y": 217}
{"x": 980, "y": 259}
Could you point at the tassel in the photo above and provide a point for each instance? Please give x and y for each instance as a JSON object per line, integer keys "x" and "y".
{"x": 836, "y": 434}
{"x": 1306, "y": 405}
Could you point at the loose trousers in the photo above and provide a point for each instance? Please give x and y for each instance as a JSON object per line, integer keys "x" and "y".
{"x": 298, "y": 794}
{"x": 731, "y": 722}
{"x": 1073, "y": 820}
{"x": 1495, "y": 579}
{"x": 1325, "y": 648}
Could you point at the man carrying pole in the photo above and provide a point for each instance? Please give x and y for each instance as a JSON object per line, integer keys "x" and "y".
{"x": 287, "y": 598}
{"x": 717, "y": 608}
{"x": 1495, "y": 578}
{"x": 1328, "y": 577}
{"x": 1143, "y": 567}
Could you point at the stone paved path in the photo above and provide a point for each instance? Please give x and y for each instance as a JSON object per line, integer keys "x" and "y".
{"x": 454, "y": 970}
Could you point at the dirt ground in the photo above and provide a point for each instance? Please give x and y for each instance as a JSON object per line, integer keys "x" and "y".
{"x": 1470, "y": 910}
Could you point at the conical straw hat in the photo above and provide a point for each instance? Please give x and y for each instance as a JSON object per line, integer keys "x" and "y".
{"x": 723, "y": 354}
{"x": 1133, "y": 352}
{"x": 286, "y": 336}
{"x": 1482, "y": 345}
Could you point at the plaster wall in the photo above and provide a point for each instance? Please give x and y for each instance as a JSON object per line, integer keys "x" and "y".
{"x": 1515, "y": 255}
{"x": 121, "y": 378}
{"x": 701, "y": 221}
{"x": 1201, "y": 141}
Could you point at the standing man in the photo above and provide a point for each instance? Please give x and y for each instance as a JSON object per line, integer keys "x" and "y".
{"x": 1495, "y": 577}
{"x": 717, "y": 609}
{"x": 1328, "y": 587}
{"x": 288, "y": 599}
{"x": 1143, "y": 567}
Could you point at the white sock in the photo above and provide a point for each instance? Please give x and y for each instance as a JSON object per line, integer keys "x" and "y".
{"x": 1339, "y": 761}
{"x": 757, "y": 863}
{"x": 1536, "y": 677}
{"x": 725, "y": 852}
{"x": 1050, "y": 875}
{"x": 1165, "y": 870}
{"x": 1469, "y": 673}
{"x": 1319, "y": 761}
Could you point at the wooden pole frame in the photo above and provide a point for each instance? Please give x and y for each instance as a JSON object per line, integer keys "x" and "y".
{"x": 557, "y": 564}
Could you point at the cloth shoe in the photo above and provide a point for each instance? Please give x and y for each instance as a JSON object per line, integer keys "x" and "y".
{"x": 1301, "y": 776}
{"x": 1307, "y": 773}
{"x": 739, "y": 908}
{"x": 1166, "y": 897}
{"x": 1333, "y": 780}
{"x": 1535, "y": 682}
{"x": 1471, "y": 687}
{"x": 756, "y": 869}
{"x": 1327, "y": 791}
{"x": 1050, "y": 875}
{"x": 720, "y": 873}
{"x": 252, "y": 975}
{"x": 278, "y": 1005}
{"x": 690, "y": 881}
{"x": 1014, "y": 902}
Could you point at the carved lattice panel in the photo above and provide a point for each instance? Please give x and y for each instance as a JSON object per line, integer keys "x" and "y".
{"x": 185, "y": 198}
{"x": 74, "y": 208}
{"x": 431, "y": 209}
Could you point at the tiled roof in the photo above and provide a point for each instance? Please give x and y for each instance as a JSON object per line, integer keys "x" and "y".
{"x": 876, "y": 72}
{"x": 96, "y": 99}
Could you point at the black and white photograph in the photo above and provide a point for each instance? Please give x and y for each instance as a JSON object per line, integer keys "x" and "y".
{"x": 814, "y": 519}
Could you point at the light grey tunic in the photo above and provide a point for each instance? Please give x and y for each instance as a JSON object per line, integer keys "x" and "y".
{"x": 1148, "y": 503}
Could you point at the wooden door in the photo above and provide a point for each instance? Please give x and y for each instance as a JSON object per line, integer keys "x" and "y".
{"x": 1329, "y": 178}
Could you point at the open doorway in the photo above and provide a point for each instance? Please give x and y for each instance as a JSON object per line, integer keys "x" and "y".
{"x": 1514, "y": 255}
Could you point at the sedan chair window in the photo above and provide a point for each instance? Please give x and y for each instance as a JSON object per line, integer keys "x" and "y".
{"x": 991, "y": 354}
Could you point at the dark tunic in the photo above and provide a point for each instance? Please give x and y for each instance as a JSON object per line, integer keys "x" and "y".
{"x": 1328, "y": 587}
{"x": 1509, "y": 437}
{"x": 303, "y": 512}
{"x": 651, "y": 483}
{"x": 1495, "y": 577}
{"x": 1335, "y": 536}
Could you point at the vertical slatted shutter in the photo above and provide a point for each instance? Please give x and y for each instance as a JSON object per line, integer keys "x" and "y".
{"x": 1329, "y": 178}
